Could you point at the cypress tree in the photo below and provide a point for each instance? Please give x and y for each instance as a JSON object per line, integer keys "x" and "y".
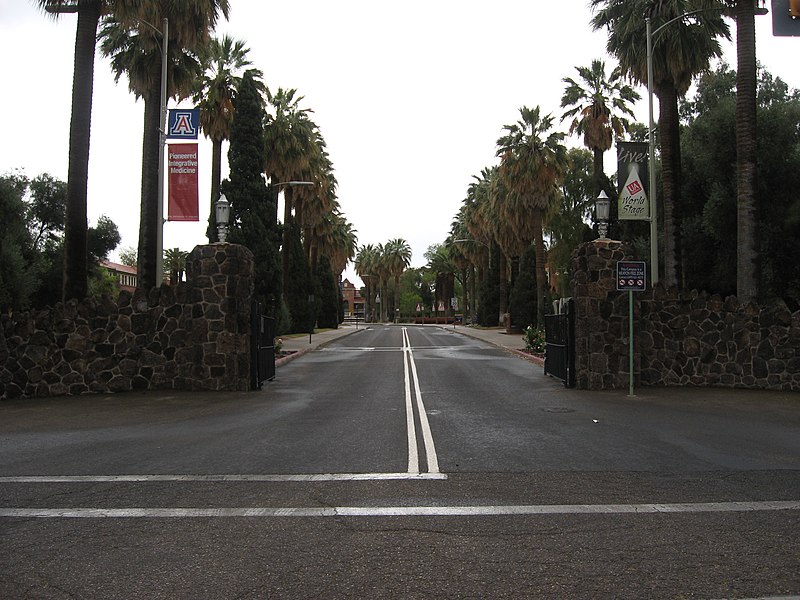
{"x": 328, "y": 315}
{"x": 252, "y": 222}
{"x": 522, "y": 303}
{"x": 300, "y": 294}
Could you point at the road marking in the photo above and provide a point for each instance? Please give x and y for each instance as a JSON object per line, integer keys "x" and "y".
{"x": 397, "y": 511}
{"x": 427, "y": 435}
{"x": 221, "y": 478}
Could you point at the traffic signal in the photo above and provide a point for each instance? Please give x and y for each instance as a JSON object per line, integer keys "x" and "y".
{"x": 794, "y": 8}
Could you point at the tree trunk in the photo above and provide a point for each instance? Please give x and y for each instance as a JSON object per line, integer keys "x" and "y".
{"x": 669, "y": 129}
{"x": 75, "y": 230}
{"x": 747, "y": 248}
{"x": 149, "y": 219}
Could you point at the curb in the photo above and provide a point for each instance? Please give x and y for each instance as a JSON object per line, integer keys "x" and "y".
{"x": 282, "y": 361}
{"x": 537, "y": 360}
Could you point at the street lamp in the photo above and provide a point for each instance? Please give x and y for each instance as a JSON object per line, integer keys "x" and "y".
{"x": 602, "y": 209}
{"x": 223, "y": 214}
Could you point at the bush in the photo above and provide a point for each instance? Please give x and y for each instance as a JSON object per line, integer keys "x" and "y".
{"x": 534, "y": 340}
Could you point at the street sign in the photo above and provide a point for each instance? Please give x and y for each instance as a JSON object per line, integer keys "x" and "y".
{"x": 631, "y": 276}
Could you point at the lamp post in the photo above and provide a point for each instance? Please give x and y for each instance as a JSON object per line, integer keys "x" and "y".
{"x": 162, "y": 138}
{"x": 222, "y": 210}
{"x": 602, "y": 209}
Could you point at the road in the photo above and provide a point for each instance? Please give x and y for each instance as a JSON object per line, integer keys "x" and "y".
{"x": 402, "y": 462}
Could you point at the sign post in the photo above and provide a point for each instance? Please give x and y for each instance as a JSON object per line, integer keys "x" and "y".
{"x": 631, "y": 277}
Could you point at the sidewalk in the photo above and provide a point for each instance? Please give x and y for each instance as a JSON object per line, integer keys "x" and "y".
{"x": 497, "y": 336}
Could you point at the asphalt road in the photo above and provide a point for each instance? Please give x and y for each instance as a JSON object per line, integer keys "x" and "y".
{"x": 402, "y": 463}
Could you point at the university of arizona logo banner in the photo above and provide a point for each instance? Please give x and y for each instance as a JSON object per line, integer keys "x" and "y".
{"x": 182, "y": 179}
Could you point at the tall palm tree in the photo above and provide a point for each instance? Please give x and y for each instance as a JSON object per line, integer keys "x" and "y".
{"x": 532, "y": 161}
{"x": 290, "y": 147}
{"x": 680, "y": 51}
{"x": 214, "y": 92}
{"x": 175, "y": 264}
{"x": 746, "y": 125}
{"x": 398, "y": 258}
{"x": 75, "y": 283}
{"x": 598, "y": 106}
{"x": 135, "y": 50}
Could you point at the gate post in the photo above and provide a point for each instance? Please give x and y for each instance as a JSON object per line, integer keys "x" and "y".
{"x": 601, "y": 355}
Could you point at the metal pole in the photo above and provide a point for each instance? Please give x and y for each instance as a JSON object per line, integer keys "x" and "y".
{"x": 162, "y": 138}
{"x": 630, "y": 343}
{"x": 651, "y": 161}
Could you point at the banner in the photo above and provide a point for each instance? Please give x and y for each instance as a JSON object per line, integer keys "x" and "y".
{"x": 182, "y": 179}
{"x": 183, "y": 123}
{"x": 633, "y": 202}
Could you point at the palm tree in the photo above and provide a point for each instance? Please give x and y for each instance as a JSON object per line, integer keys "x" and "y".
{"x": 398, "y": 258}
{"x": 532, "y": 161}
{"x": 289, "y": 142}
{"x": 680, "y": 52}
{"x": 746, "y": 125}
{"x": 135, "y": 49}
{"x": 75, "y": 283}
{"x": 365, "y": 264}
{"x": 175, "y": 264}
{"x": 214, "y": 93}
{"x": 598, "y": 106}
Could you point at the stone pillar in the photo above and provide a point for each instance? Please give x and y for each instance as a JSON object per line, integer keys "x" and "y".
{"x": 221, "y": 277}
{"x": 601, "y": 317}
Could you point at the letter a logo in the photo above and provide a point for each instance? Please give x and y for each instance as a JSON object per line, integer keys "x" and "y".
{"x": 183, "y": 123}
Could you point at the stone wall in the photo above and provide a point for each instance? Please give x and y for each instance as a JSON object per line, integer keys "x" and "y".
{"x": 680, "y": 338}
{"x": 195, "y": 336}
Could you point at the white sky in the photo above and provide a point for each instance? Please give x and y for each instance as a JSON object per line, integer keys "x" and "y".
{"x": 410, "y": 97}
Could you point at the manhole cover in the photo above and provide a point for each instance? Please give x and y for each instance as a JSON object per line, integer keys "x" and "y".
{"x": 558, "y": 409}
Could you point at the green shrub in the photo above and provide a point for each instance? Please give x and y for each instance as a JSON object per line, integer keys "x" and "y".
{"x": 534, "y": 340}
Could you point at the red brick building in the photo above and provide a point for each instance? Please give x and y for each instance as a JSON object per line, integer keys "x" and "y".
{"x": 352, "y": 301}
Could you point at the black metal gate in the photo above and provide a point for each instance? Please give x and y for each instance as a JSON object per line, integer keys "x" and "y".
{"x": 262, "y": 348}
{"x": 559, "y": 332}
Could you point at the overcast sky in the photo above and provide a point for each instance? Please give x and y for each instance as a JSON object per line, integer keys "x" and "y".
{"x": 410, "y": 97}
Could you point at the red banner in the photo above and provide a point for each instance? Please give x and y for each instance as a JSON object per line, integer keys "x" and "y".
{"x": 183, "y": 197}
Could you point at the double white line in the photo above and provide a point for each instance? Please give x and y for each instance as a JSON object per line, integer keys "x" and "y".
{"x": 410, "y": 370}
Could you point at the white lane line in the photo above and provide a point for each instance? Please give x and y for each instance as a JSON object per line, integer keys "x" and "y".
{"x": 411, "y": 432}
{"x": 427, "y": 436}
{"x": 398, "y": 511}
{"x": 221, "y": 478}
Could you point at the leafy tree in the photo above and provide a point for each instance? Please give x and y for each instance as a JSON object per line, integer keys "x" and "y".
{"x": 128, "y": 256}
{"x": 17, "y": 279}
{"x": 567, "y": 221}
{"x": 709, "y": 149}
{"x": 252, "y": 205}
